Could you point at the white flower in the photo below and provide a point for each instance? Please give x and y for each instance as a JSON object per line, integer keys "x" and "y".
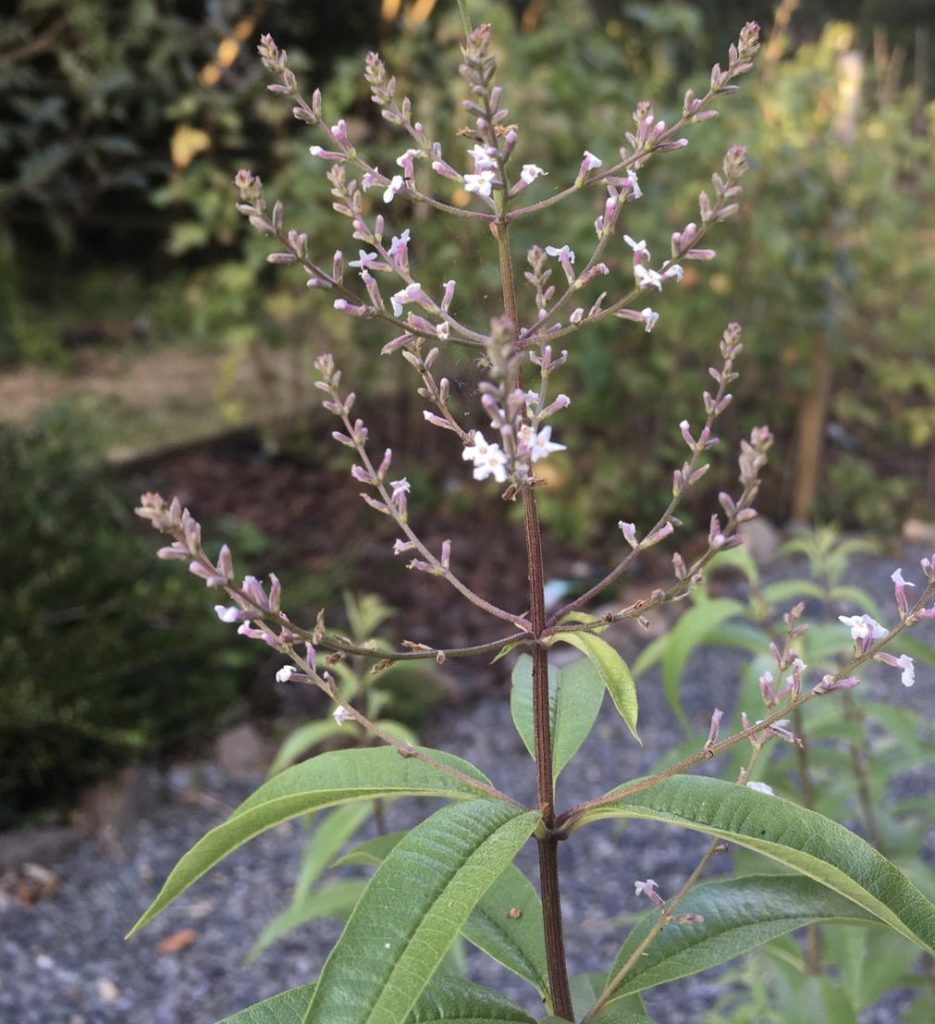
{"x": 676, "y": 271}
{"x": 863, "y": 627}
{"x": 635, "y": 191}
{"x": 530, "y": 172}
{"x": 408, "y": 294}
{"x": 481, "y": 183}
{"x": 646, "y": 278}
{"x": 396, "y": 183}
{"x": 540, "y": 445}
{"x": 646, "y": 888}
{"x": 285, "y": 673}
{"x": 227, "y": 614}
{"x": 365, "y": 260}
{"x": 649, "y": 317}
{"x": 761, "y": 787}
{"x": 341, "y": 715}
{"x": 398, "y": 244}
{"x": 488, "y": 459}
{"x": 908, "y": 667}
{"x": 590, "y": 162}
{"x": 408, "y": 155}
{"x": 563, "y": 252}
{"x": 639, "y": 248}
{"x": 483, "y": 160}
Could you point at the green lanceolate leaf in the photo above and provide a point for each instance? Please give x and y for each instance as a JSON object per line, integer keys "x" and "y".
{"x": 802, "y": 840}
{"x": 444, "y": 1001}
{"x": 786, "y": 592}
{"x": 286, "y": 1008}
{"x": 585, "y": 990}
{"x": 613, "y": 671}
{"x": 413, "y": 909}
{"x": 575, "y": 696}
{"x": 333, "y": 778}
{"x": 372, "y": 852}
{"x": 505, "y": 650}
{"x": 674, "y": 648}
{"x": 739, "y": 915}
{"x": 306, "y": 738}
{"x": 457, "y": 1001}
{"x": 506, "y": 924}
{"x": 621, "y": 1014}
{"x": 331, "y": 833}
{"x": 336, "y": 900}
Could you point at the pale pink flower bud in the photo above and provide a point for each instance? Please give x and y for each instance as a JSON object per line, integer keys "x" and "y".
{"x": 829, "y": 683}
{"x": 766, "y": 689}
{"x": 658, "y": 534}
{"x": 445, "y": 170}
{"x": 714, "y": 728}
{"x": 175, "y": 552}
{"x": 325, "y": 154}
{"x": 629, "y": 533}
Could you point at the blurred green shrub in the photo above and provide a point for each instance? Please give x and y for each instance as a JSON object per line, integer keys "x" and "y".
{"x": 831, "y": 254}
{"x": 88, "y": 677}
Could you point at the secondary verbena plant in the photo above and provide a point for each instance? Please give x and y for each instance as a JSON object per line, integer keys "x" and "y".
{"x": 453, "y": 875}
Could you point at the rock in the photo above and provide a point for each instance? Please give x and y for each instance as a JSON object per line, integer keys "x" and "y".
{"x": 37, "y": 846}
{"x": 242, "y": 751}
{"x": 917, "y": 531}
{"x": 111, "y": 810}
{"x": 762, "y": 539}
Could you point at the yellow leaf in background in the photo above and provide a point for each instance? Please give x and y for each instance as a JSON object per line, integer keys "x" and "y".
{"x": 551, "y": 472}
{"x": 420, "y": 11}
{"x": 227, "y": 52}
{"x": 244, "y": 29}
{"x": 209, "y": 75}
{"x": 186, "y": 143}
{"x": 720, "y": 284}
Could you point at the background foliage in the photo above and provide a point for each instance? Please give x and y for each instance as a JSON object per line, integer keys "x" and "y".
{"x": 122, "y": 125}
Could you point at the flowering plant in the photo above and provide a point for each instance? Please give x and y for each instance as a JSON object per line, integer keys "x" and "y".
{"x": 453, "y": 874}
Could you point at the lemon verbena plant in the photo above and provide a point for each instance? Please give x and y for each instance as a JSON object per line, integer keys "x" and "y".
{"x": 453, "y": 875}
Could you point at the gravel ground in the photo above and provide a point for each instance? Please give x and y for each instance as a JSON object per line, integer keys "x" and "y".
{"x": 63, "y": 959}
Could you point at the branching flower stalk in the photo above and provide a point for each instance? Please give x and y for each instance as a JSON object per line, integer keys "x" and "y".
{"x": 520, "y": 359}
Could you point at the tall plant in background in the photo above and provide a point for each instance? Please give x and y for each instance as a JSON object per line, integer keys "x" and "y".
{"x": 432, "y": 882}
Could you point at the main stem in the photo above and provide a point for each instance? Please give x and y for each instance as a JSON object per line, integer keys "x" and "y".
{"x": 548, "y": 844}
